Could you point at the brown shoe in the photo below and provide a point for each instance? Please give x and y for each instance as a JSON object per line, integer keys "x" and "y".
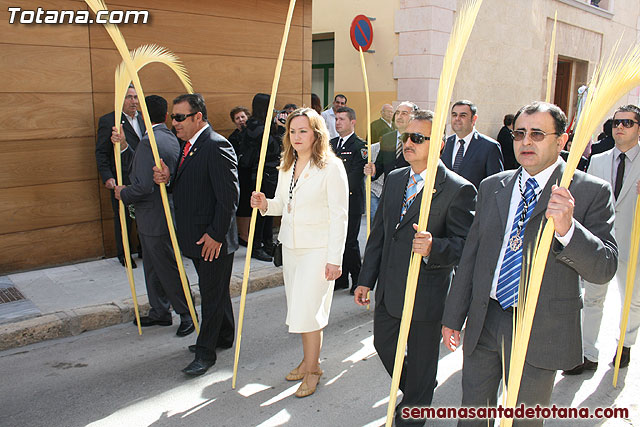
{"x": 295, "y": 374}
{"x": 587, "y": 365}
{"x": 304, "y": 390}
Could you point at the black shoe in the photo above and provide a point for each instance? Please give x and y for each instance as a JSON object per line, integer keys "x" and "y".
{"x": 223, "y": 345}
{"x": 185, "y": 328}
{"x": 148, "y": 321}
{"x": 261, "y": 255}
{"x": 140, "y": 252}
{"x": 587, "y": 365}
{"x": 352, "y": 291}
{"x": 198, "y": 367}
{"x": 269, "y": 248}
{"x": 624, "y": 358}
{"x": 133, "y": 263}
{"x": 242, "y": 242}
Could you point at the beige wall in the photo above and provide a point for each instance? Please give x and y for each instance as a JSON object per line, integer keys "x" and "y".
{"x": 57, "y": 80}
{"x": 335, "y": 16}
{"x": 505, "y": 63}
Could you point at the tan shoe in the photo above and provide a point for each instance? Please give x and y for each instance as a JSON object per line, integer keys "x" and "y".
{"x": 304, "y": 390}
{"x": 295, "y": 374}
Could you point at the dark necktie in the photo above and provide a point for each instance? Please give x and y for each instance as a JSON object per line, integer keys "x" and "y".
{"x": 619, "y": 176}
{"x": 459, "y": 156}
{"x": 398, "y": 148}
{"x": 340, "y": 142}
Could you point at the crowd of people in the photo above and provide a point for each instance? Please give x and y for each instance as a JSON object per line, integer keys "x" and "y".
{"x": 489, "y": 200}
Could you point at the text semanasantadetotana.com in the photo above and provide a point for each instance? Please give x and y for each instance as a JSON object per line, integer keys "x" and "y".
{"x": 519, "y": 412}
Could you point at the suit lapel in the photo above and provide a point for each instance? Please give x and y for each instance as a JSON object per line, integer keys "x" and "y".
{"x": 503, "y": 196}
{"x": 629, "y": 182}
{"x": 193, "y": 152}
{"x": 469, "y": 154}
{"x": 414, "y": 210}
{"x": 543, "y": 200}
{"x": 307, "y": 173}
{"x": 448, "y": 151}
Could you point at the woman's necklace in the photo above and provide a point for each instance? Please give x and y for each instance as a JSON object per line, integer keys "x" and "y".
{"x": 294, "y": 181}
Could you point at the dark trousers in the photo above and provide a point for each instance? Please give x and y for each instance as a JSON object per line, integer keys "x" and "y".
{"x": 217, "y": 324}
{"x": 264, "y": 224}
{"x": 116, "y": 225}
{"x": 418, "y": 378}
{"x": 482, "y": 369}
{"x": 351, "y": 261}
{"x": 162, "y": 278}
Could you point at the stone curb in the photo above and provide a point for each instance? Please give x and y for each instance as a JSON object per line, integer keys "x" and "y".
{"x": 74, "y": 322}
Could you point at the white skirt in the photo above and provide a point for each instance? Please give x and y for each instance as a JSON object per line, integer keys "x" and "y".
{"x": 309, "y": 294}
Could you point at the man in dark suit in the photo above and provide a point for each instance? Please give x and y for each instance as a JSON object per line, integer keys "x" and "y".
{"x": 164, "y": 287}
{"x": 133, "y": 126}
{"x": 353, "y": 153}
{"x": 506, "y": 143}
{"x": 205, "y": 193}
{"x": 511, "y": 209}
{"x": 383, "y": 125}
{"x": 387, "y": 257}
{"x": 390, "y": 156}
{"x": 469, "y": 153}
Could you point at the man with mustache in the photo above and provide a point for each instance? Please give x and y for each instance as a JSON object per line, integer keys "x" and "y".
{"x": 388, "y": 253}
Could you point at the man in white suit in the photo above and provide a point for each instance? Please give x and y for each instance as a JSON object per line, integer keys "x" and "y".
{"x": 621, "y": 168}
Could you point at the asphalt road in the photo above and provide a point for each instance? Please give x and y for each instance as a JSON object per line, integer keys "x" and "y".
{"x": 113, "y": 377}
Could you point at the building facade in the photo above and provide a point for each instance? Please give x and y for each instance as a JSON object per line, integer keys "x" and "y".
{"x": 58, "y": 80}
{"x": 505, "y": 62}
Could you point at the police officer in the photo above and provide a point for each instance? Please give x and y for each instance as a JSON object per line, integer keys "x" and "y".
{"x": 353, "y": 152}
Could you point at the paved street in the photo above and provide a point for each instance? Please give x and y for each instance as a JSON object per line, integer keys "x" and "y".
{"x": 113, "y": 376}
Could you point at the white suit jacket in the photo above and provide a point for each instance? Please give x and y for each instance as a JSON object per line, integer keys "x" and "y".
{"x": 319, "y": 209}
{"x": 601, "y": 165}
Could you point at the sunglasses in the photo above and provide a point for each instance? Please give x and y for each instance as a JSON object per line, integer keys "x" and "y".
{"x": 535, "y": 135}
{"x": 182, "y": 117}
{"x": 628, "y": 123}
{"x": 416, "y": 138}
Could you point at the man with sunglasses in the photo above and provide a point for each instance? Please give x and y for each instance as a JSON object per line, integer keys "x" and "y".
{"x": 205, "y": 194}
{"x": 388, "y": 252}
{"x": 621, "y": 168}
{"x": 511, "y": 209}
{"x": 133, "y": 127}
{"x": 469, "y": 153}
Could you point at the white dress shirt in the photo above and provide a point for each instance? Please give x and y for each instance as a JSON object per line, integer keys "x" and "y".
{"x": 632, "y": 156}
{"x": 541, "y": 178}
{"x": 467, "y": 140}
{"x": 329, "y": 117}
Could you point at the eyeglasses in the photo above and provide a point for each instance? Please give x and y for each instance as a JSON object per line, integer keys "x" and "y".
{"x": 416, "y": 138}
{"x": 628, "y": 123}
{"x": 182, "y": 117}
{"x": 535, "y": 135}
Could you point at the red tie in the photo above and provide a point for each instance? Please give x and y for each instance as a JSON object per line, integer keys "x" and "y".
{"x": 185, "y": 152}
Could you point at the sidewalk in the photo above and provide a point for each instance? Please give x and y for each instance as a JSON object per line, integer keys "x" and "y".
{"x": 64, "y": 301}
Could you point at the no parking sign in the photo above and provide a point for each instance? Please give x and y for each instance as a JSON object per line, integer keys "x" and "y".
{"x": 361, "y": 33}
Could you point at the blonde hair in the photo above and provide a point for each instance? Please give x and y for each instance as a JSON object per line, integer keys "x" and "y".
{"x": 320, "y": 150}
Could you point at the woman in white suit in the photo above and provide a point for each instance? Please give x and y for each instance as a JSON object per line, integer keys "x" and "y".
{"x": 313, "y": 198}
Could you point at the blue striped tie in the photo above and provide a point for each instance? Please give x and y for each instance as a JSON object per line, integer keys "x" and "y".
{"x": 410, "y": 193}
{"x": 509, "y": 279}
